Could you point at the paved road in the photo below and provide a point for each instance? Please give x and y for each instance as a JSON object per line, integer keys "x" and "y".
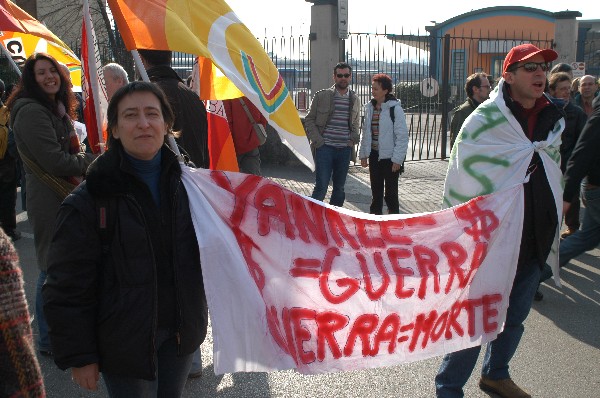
{"x": 559, "y": 354}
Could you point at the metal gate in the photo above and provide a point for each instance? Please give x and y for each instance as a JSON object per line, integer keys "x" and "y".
{"x": 429, "y": 74}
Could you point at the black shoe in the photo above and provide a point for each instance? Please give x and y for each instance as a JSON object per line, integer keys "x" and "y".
{"x": 539, "y": 296}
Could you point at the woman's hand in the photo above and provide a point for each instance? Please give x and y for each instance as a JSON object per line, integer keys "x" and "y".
{"x": 364, "y": 163}
{"x": 395, "y": 167}
{"x": 87, "y": 376}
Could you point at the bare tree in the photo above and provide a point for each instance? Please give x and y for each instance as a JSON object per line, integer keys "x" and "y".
{"x": 29, "y": 6}
{"x": 65, "y": 17}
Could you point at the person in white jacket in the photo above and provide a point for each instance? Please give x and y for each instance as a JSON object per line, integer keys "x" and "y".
{"x": 383, "y": 145}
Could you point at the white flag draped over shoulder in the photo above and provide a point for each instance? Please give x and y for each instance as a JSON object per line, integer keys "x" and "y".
{"x": 294, "y": 283}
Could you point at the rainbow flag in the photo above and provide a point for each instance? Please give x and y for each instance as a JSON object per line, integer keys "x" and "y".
{"x": 210, "y": 29}
{"x": 22, "y": 35}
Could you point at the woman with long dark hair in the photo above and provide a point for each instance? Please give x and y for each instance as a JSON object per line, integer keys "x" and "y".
{"x": 125, "y": 294}
{"x": 42, "y": 110}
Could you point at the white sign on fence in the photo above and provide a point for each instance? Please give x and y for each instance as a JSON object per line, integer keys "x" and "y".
{"x": 578, "y": 69}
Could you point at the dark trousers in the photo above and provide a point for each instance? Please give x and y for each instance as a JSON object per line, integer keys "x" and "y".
{"x": 249, "y": 162}
{"x": 384, "y": 185}
{"x": 170, "y": 379}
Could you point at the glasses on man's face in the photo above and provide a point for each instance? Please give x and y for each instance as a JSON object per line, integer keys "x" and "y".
{"x": 340, "y": 75}
{"x": 532, "y": 66}
{"x": 488, "y": 87}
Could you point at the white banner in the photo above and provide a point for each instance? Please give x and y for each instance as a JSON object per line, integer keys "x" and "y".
{"x": 294, "y": 283}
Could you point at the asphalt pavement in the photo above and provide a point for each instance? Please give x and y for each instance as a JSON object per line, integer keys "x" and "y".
{"x": 559, "y": 355}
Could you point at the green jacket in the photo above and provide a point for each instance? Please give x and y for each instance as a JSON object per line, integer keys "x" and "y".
{"x": 44, "y": 138}
{"x": 460, "y": 114}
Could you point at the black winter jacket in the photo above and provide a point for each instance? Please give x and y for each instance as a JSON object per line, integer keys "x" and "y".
{"x": 575, "y": 119}
{"x": 540, "y": 218}
{"x": 585, "y": 160}
{"x": 103, "y": 306}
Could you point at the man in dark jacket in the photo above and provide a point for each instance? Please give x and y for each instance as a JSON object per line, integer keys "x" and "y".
{"x": 559, "y": 85}
{"x": 478, "y": 90}
{"x": 190, "y": 112}
{"x": 584, "y": 162}
{"x": 588, "y": 89}
{"x": 520, "y": 106}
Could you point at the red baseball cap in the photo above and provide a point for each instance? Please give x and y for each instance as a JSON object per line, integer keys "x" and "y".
{"x": 526, "y": 51}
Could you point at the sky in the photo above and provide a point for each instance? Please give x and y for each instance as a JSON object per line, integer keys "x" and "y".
{"x": 364, "y": 16}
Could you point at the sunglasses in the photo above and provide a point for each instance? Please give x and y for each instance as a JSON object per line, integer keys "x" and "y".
{"x": 532, "y": 66}
{"x": 340, "y": 75}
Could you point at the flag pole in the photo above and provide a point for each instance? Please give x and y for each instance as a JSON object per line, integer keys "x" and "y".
{"x": 11, "y": 60}
{"x": 92, "y": 72}
{"x": 170, "y": 138}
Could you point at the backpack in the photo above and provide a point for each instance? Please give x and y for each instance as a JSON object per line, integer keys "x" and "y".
{"x": 393, "y": 117}
{"x": 3, "y": 130}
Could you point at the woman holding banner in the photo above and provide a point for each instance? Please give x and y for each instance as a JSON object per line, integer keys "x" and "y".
{"x": 125, "y": 263}
{"x": 42, "y": 109}
{"x": 383, "y": 144}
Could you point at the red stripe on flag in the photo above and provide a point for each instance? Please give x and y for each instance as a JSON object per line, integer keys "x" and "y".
{"x": 89, "y": 110}
{"x": 220, "y": 140}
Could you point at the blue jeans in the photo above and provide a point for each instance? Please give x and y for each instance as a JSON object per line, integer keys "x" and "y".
{"x": 43, "y": 338}
{"x": 586, "y": 238}
{"x": 171, "y": 376}
{"x": 331, "y": 163}
{"x": 196, "y": 361}
{"x": 456, "y": 367}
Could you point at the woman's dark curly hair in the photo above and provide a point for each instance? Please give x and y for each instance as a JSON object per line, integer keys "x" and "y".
{"x": 28, "y": 87}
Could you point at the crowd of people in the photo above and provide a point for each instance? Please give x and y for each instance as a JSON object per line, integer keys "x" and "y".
{"x": 124, "y": 246}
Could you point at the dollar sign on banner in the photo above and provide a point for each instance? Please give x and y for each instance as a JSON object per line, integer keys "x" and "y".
{"x": 483, "y": 222}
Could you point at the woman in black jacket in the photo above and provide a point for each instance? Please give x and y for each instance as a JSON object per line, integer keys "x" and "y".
{"x": 124, "y": 294}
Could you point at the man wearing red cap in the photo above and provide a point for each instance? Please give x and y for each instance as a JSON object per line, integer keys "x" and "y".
{"x": 512, "y": 139}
